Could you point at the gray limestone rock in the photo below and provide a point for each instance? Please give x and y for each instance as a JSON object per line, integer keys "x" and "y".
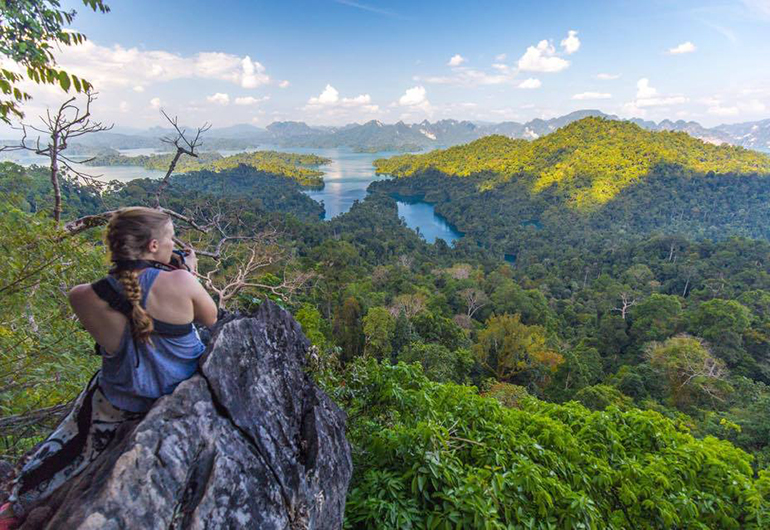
{"x": 250, "y": 442}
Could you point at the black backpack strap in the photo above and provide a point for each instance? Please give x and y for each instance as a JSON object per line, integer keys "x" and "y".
{"x": 105, "y": 290}
{"x": 117, "y": 301}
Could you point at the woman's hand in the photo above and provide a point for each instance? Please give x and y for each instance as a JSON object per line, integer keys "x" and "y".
{"x": 191, "y": 260}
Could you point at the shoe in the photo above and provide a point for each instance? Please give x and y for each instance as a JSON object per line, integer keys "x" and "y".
{"x": 8, "y": 521}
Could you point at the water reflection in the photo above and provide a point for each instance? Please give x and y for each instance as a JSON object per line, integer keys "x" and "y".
{"x": 422, "y": 217}
{"x": 346, "y": 179}
{"x": 104, "y": 173}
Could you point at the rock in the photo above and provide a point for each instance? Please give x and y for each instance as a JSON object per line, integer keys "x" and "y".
{"x": 6, "y": 468}
{"x": 250, "y": 442}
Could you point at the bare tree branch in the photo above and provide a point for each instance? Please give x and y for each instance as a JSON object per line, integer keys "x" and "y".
{"x": 69, "y": 122}
{"x": 183, "y": 147}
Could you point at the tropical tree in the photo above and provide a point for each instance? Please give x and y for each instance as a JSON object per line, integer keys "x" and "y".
{"x": 379, "y": 326}
{"x": 30, "y": 30}
{"x": 691, "y": 370}
{"x": 507, "y": 348}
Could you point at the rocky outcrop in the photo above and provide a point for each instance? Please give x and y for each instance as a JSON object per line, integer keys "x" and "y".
{"x": 251, "y": 442}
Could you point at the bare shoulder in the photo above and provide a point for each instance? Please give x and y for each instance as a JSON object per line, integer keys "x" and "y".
{"x": 179, "y": 279}
{"x": 82, "y": 294}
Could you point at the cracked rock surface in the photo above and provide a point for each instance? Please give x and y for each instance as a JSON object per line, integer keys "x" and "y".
{"x": 250, "y": 442}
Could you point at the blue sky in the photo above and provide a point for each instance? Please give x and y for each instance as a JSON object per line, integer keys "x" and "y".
{"x": 334, "y": 62}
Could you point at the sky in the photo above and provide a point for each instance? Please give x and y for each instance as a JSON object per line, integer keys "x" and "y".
{"x": 332, "y": 62}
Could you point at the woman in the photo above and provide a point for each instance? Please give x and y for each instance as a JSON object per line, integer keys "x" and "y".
{"x": 141, "y": 319}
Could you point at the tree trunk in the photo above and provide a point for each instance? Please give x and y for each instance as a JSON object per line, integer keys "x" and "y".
{"x": 55, "y": 181}
{"x": 164, "y": 182}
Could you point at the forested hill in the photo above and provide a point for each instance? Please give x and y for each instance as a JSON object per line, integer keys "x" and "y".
{"x": 589, "y": 160}
{"x": 296, "y": 166}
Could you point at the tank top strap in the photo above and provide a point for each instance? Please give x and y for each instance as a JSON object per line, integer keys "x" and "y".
{"x": 146, "y": 279}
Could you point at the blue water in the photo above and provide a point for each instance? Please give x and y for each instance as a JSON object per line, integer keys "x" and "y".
{"x": 346, "y": 180}
{"x": 422, "y": 217}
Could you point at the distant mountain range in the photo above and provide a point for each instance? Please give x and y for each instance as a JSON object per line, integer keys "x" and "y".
{"x": 377, "y": 136}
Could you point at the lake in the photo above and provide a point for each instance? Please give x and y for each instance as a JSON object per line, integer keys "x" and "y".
{"x": 345, "y": 181}
{"x": 105, "y": 173}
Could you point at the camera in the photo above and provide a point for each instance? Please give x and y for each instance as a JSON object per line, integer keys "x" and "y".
{"x": 177, "y": 259}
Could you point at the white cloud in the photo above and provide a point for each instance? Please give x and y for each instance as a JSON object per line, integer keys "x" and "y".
{"x": 501, "y": 57}
{"x": 249, "y": 100}
{"x": 470, "y": 77}
{"x": 648, "y": 96}
{"x": 117, "y": 66}
{"x": 363, "y": 99}
{"x": 723, "y": 111}
{"x": 542, "y": 58}
{"x": 123, "y": 107}
{"x": 644, "y": 90}
{"x": 156, "y": 103}
{"x": 457, "y": 60}
{"x": 219, "y": 99}
{"x": 717, "y": 107}
{"x": 753, "y": 106}
{"x": 530, "y": 83}
{"x": 591, "y": 95}
{"x": 607, "y": 77}
{"x": 284, "y": 84}
{"x": 330, "y": 99}
{"x": 329, "y": 96}
{"x": 571, "y": 43}
{"x": 501, "y": 67}
{"x": 413, "y": 96}
{"x": 139, "y": 88}
{"x": 685, "y": 47}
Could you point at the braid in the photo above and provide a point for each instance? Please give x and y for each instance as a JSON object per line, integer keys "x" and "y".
{"x": 141, "y": 323}
{"x": 129, "y": 232}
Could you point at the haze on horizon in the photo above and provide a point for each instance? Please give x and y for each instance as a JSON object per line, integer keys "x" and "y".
{"x": 334, "y": 62}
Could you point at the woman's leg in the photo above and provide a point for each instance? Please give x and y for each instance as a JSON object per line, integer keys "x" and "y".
{"x": 78, "y": 440}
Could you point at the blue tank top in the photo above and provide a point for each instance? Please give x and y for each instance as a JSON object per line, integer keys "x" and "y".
{"x": 139, "y": 373}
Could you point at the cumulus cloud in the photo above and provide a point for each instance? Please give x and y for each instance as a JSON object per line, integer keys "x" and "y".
{"x": 685, "y": 47}
{"x": 117, "y": 66}
{"x": 530, "y": 83}
{"x": 249, "y": 100}
{"x": 456, "y": 60}
{"x": 284, "y": 84}
{"x": 330, "y": 99}
{"x": 648, "y": 96}
{"x": 329, "y": 96}
{"x": 607, "y": 77}
{"x": 571, "y": 43}
{"x": 155, "y": 103}
{"x": 591, "y": 95}
{"x": 219, "y": 99}
{"x": 414, "y": 96}
{"x": 542, "y": 58}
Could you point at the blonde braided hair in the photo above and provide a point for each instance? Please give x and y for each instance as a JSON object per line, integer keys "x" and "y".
{"x": 128, "y": 234}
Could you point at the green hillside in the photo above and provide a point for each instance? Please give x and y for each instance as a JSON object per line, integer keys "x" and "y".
{"x": 589, "y": 160}
{"x": 290, "y": 165}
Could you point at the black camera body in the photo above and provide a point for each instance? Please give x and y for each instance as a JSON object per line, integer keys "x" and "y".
{"x": 177, "y": 259}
